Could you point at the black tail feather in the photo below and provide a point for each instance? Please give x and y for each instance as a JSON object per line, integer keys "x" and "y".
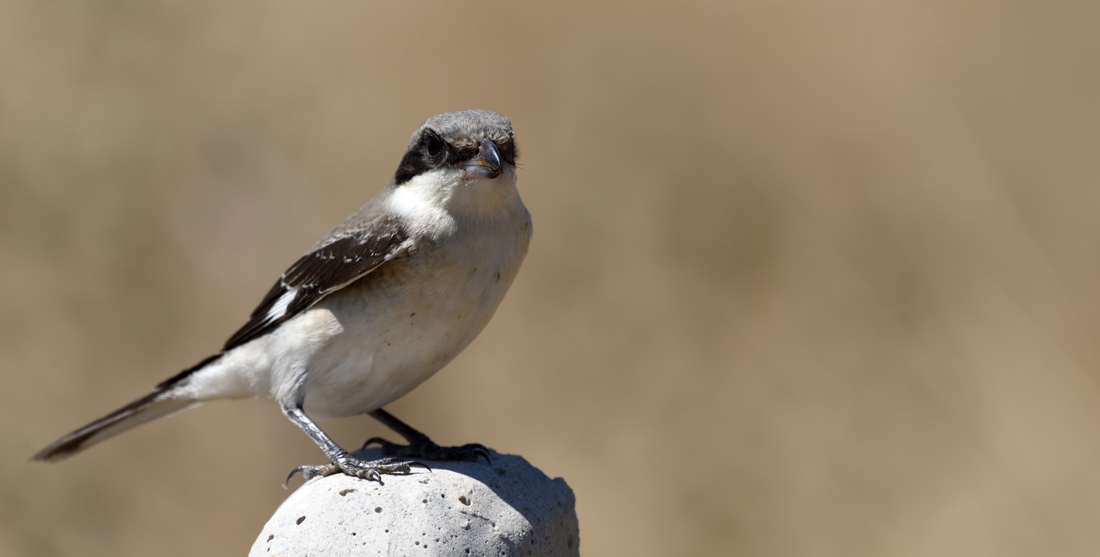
{"x": 145, "y": 409}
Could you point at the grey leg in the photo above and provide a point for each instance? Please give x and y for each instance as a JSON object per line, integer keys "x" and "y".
{"x": 339, "y": 459}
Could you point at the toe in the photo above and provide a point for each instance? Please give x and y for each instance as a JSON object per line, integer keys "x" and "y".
{"x": 386, "y": 445}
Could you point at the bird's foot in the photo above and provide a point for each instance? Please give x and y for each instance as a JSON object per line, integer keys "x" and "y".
{"x": 426, "y": 449}
{"x": 368, "y": 470}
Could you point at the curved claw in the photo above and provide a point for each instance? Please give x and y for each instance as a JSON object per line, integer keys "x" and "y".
{"x": 303, "y": 469}
{"x": 381, "y": 442}
{"x": 291, "y": 475}
{"x": 478, "y": 450}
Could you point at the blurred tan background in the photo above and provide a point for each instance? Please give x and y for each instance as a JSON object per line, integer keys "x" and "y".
{"x": 808, "y": 278}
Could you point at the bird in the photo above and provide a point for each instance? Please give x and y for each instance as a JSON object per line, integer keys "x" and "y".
{"x": 374, "y": 308}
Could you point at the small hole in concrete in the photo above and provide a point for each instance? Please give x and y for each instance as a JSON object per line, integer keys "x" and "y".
{"x": 300, "y": 520}
{"x": 462, "y": 499}
{"x": 271, "y": 537}
{"x": 378, "y": 510}
{"x": 344, "y": 492}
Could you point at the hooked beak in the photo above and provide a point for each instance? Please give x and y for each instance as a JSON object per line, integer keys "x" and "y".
{"x": 487, "y": 162}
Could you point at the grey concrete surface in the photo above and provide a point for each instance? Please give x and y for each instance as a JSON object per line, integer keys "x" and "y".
{"x": 458, "y": 508}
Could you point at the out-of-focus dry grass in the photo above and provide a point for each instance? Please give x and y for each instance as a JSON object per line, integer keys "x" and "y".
{"x": 808, "y": 278}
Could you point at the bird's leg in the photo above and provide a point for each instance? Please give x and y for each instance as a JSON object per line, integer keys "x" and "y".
{"x": 420, "y": 446}
{"x": 339, "y": 459}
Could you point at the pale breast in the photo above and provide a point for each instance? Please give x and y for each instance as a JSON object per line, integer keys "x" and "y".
{"x": 409, "y": 318}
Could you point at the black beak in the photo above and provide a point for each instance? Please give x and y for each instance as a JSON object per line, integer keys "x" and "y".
{"x": 487, "y": 162}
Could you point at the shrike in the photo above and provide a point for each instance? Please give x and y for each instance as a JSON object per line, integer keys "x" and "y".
{"x": 375, "y": 308}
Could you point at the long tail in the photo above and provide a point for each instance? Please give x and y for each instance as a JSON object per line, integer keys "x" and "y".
{"x": 145, "y": 409}
{"x": 157, "y": 404}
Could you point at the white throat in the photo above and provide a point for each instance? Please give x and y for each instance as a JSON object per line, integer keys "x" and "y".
{"x": 435, "y": 200}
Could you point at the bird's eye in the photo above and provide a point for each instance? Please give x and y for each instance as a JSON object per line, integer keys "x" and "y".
{"x": 433, "y": 146}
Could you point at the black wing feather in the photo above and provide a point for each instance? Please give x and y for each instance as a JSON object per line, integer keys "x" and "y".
{"x": 322, "y": 271}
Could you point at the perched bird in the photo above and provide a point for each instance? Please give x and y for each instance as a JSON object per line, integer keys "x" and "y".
{"x": 375, "y": 308}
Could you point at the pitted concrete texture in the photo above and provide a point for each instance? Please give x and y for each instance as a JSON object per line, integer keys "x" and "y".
{"x": 459, "y": 508}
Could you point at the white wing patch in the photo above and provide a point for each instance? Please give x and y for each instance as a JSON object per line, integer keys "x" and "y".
{"x": 278, "y": 309}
